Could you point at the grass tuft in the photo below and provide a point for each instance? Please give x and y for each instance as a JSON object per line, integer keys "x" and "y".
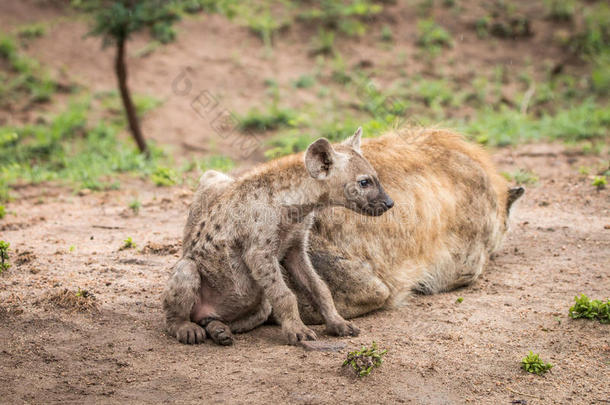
{"x": 532, "y": 363}
{"x": 4, "y": 248}
{"x": 363, "y": 361}
{"x": 590, "y": 309}
{"x": 128, "y": 244}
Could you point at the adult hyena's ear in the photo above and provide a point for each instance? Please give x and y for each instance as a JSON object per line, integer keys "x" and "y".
{"x": 354, "y": 140}
{"x": 320, "y": 158}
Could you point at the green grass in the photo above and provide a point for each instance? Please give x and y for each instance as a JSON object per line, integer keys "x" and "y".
{"x": 164, "y": 177}
{"x": 4, "y": 248}
{"x": 432, "y": 37}
{"x": 583, "y": 121}
{"x": 560, "y": 10}
{"x": 323, "y": 42}
{"x": 599, "y": 182}
{"x": 72, "y": 148}
{"x": 304, "y": 82}
{"x": 217, "y": 162}
{"x": 30, "y": 31}
{"x": 135, "y": 206}
{"x": 347, "y": 17}
{"x": 128, "y": 244}
{"x": 590, "y": 309}
{"x": 521, "y": 177}
{"x": 532, "y": 363}
{"x": 2, "y": 211}
{"x": 363, "y": 361}
{"x": 386, "y": 34}
{"x": 25, "y": 76}
{"x": 593, "y": 38}
{"x": 261, "y": 121}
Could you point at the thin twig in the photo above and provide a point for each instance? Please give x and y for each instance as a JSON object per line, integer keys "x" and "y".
{"x": 107, "y": 227}
{"x": 523, "y": 393}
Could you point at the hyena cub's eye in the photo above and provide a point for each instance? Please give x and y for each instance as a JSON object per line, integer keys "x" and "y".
{"x": 364, "y": 183}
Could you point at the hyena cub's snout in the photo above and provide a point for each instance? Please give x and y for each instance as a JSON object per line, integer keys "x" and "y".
{"x": 368, "y": 197}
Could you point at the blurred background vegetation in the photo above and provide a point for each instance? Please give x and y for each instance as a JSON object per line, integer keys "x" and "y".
{"x": 503, "y": 72}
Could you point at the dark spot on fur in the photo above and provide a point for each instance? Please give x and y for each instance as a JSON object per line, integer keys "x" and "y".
{"x": 266, "y": 256}
{"x": 268, "y": 241}
{"x": 256, "y": 196}
{"x": 217, "y": 227}
{"x": 208, "y": 237}
{"x": 216, "y": 247}
{"x": 199, "y": 233}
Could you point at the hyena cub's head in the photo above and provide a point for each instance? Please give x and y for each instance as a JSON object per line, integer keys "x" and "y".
{"x": 349, "y": 178}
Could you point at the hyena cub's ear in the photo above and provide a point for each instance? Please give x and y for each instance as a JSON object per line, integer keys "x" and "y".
{"x": 354, "y": 140}
{"x": 320, "y": 157}
{"x": 514, "y": 194}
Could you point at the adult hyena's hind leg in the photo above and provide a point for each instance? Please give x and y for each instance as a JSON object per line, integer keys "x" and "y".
{"x": 179, "y": 297}
{"x": 355, "y": 289}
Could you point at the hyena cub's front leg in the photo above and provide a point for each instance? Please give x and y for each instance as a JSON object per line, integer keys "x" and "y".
{"x": 298, "y": 264}
{"x": 179, "y": 297}
{"x": 267, "y": 272}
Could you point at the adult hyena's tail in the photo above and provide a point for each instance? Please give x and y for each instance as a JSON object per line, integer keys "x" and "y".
{"x": 514, "y": 193}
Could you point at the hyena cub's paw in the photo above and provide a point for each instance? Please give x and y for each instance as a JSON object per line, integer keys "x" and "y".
{"x": 190, "y": 333}
{"x": 342, "y": 328}
{"x": 219, "y": 333}
{"x": 298, "y": 332}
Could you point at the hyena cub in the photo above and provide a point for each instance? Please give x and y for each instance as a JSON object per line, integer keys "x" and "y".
{"x": 229, "y": 278}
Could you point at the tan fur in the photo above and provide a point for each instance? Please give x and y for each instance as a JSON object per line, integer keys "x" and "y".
{"x": 450, "y": 215}
{"x": 244, "y": 236}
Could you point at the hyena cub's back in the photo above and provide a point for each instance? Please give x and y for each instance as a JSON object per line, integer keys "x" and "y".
{"x": 450, "y": 215}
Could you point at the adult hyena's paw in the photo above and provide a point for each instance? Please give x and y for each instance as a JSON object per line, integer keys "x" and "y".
{"x": 190, "y": 333}
{"x": 219, "y": 333}
{"x": 296, "y": 333}
{"x": 342, "y": 328}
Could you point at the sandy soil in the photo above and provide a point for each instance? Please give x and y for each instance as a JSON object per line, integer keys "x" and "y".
{"x": 113, "y": 348}
{"x": 109, "y": 348}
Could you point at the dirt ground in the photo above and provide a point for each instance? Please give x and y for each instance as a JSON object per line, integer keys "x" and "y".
{"x": 111, "y": 347}
{"x": 439, "y": 351}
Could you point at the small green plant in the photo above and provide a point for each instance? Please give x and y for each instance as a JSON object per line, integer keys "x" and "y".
{"x": 31, "y": 31}
{"x": 590, "y": 309}
{"x": 84, "y": 293}
{"x": 274, "y": 118}
{"x": 533, "y": 364}
{"x": 431, "y": 36}
{"x": 560, "y": 10}
{"x": 2, "y": 211}
{"x": 459, "y": 300}
{"x": 364, "y": 360}
{"x": 164, "y": 177}
{"x": 323, "y": 43}
{"x": 25, "y": 75}
{"x": 128, "y": 244}
{"x": 134, "y": 206}
{"x": 386, "y": 34}
{"x": 304, "y": 82}
{"x": 4, "y": 248}
{"x": 521, "y": 176}
{"x": 600, "y": 182}
{"x": 72, "y": 248}
{"x": 217, "y": 162}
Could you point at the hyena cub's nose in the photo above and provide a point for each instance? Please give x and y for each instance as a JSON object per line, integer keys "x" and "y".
{"x": 389, "y": 203}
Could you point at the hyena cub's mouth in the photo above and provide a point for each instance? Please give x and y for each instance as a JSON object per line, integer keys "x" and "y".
{"x": 377, "y": 209}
